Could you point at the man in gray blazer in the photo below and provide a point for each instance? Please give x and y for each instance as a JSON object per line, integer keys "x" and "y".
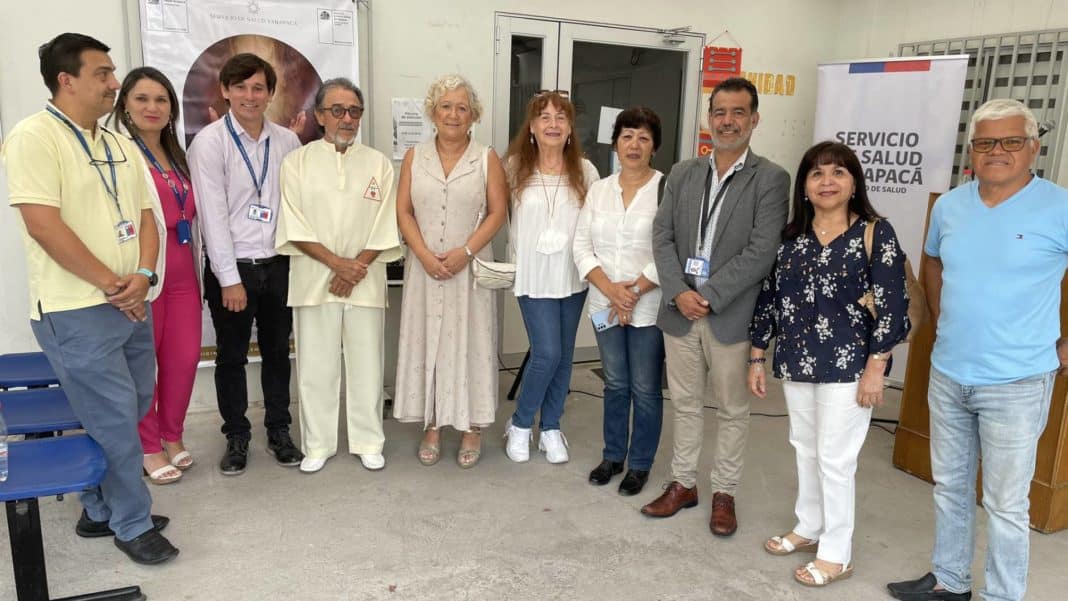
{"x": 714, "y": 239}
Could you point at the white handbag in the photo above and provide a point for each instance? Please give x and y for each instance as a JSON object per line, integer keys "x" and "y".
{"x": 492, "y": 275}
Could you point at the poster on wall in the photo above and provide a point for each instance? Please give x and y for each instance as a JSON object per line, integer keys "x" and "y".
{"x": 306, "y": 43}
{"x": 718, "y": 63}
{"x": 901, "y": 117}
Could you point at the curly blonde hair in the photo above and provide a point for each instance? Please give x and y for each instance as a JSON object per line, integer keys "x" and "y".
{"x": 448, "y": 83}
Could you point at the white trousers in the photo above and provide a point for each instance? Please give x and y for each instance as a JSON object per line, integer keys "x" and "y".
{"x": 322, "y": 334}
{"x": 827, "y": 430}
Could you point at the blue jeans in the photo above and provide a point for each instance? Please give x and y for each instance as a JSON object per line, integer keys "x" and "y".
{"x": 633, "y": 362}
{"x": 1002, "y": 424}
{"x": 107, "y": 367}
{"x": 552, "y": 324}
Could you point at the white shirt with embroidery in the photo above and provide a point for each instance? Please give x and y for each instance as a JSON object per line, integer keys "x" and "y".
{"x": 346, "y": 202}
{"x": 547, "y": 203}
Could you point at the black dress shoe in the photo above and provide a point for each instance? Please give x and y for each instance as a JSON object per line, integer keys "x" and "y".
{"x": 281, "y": 446}
{"x": 604, "y": 472}
{"x": 633, "y": 482}
{"x": 87, "y": 528}
{"x": 923, "y": 589}
{"x": 235, "y": 458}
{"x": 149, "y": 548}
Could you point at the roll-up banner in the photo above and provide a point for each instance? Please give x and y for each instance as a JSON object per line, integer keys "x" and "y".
{"x": 901, "y": 117}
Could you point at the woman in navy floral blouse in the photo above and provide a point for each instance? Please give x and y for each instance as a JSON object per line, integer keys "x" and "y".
{"x": 830, "y": 352}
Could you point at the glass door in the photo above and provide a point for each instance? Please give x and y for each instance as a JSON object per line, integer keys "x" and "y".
{"x": 607, "y": 69}
{"x": 601, "y": 66}
{"x": 526, "y": 61}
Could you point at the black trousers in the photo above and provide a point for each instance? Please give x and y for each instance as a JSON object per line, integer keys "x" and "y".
{"x": 267, "y": 287}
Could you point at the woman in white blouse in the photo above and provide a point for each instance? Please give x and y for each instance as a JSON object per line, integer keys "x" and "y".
{"x": 614, "y": 251}
{"x": 548, "y": 178}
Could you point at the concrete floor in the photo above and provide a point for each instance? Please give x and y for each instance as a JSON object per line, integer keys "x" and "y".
{"x": 501, "y": 531}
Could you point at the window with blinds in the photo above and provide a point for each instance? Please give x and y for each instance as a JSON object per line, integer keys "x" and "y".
{"x": 1028, "y": 67}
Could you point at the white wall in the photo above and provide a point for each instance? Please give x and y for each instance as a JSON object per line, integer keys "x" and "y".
{"x": 874, "y": 28}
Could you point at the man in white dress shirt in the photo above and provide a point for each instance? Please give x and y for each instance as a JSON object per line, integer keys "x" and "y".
{"x": 235, "y": 163}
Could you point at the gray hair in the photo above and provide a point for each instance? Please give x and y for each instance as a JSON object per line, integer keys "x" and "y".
{"x": 337, "y": 82}
{"x": 1003, "y": 108}
{"x": 448, "y": 83}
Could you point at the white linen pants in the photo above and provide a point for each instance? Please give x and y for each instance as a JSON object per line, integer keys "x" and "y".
{"x": 827, "y": 430}
{"x": 322, "y": 334}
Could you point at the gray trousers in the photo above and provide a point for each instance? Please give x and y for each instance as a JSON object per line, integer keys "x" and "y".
{"x": 106, "y": 365}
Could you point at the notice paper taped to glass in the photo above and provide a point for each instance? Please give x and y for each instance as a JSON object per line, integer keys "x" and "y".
{"x": 410, "y": 125}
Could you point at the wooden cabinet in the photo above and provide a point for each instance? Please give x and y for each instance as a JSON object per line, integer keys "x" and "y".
{"x": 1049, "y": 487}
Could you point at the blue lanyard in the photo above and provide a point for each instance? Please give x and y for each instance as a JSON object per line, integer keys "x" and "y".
{"x": 113, "y": 190}
{"x": 180, "y": 196}
{"x": 248, "y": 163}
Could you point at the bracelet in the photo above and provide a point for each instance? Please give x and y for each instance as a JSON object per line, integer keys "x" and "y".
{"x": 757, "y": 361}
{"x": 879, "y": 356}
{"x": 470, "y": 255}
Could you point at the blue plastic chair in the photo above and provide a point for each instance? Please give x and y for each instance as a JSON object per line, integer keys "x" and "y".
{"x": 41, "y": 468}
{"x": 22, "y": 370}
{"x": 37, "y": 410}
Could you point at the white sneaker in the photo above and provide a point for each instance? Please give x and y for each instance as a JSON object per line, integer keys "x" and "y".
{"x": 310, "y": 465}
{"x": 554, "y": 445}
{"x": 373, "y": 462}
{"x": 518, "y": 446}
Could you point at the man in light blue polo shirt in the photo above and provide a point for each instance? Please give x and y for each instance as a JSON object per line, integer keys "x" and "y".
{"x": 997, "y": 250}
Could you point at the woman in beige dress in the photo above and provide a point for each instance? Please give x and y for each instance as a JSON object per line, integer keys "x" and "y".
{"x": 451, "y": 200}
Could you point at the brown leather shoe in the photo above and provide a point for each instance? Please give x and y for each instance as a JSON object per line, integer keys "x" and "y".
{"x": 675, "y": 497}
{"x": 723, "y": 522}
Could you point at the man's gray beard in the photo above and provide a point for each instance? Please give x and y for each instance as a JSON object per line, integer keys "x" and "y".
{"x": 741, "y": 143}
{"x": 340, "y": 144}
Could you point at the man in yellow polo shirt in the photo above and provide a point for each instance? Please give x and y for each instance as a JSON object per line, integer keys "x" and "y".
{"x": 92, "y": 240}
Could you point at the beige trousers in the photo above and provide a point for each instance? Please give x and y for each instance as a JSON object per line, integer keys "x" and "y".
{"x": 697, "y": 363}
{"x": 322, "y": 334}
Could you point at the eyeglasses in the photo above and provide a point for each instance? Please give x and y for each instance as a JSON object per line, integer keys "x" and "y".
{"x": 339, "y": 111}
{"x": 95, "y": 162}
{"x": 1010, "y": 144}
{"x": 563, "y": 93}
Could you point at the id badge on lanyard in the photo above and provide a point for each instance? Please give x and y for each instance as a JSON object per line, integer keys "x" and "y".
{"x": 697, "y": 267}
{"x": 184, "y": 231}
{"x": 260, "y": 213}
{"x": 179, "y": 190}
{"x": 125, "y": 230}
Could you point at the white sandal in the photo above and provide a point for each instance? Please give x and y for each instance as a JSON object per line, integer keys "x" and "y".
{"x": 157, "y": 475}
{"x": 821, "y": 578}
{"x": 182, "y": 460}
{"x": 781, "y": 545}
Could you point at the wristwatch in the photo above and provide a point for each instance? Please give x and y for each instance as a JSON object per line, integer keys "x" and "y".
{"x": 636, "y": 289}
{"x": 153, "y": 279}
{"x": 879, "y": 356}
